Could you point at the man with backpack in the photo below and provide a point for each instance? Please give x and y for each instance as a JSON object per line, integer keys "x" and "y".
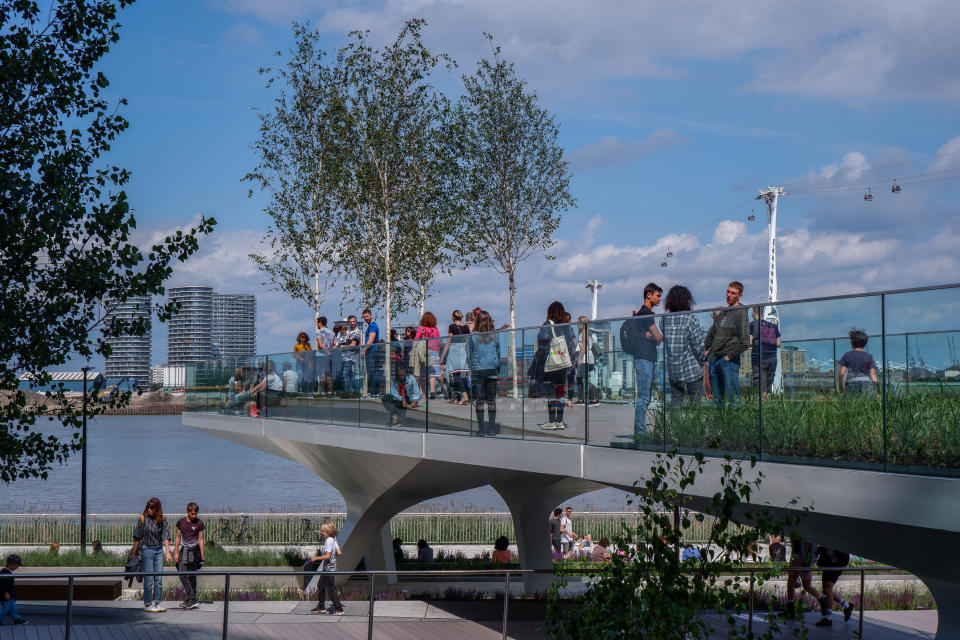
{"x": 639, "y": 336}
{"x": 764, "y": 342}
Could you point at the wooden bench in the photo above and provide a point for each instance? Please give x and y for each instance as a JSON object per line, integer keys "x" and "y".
{"x": 56, "y": 588}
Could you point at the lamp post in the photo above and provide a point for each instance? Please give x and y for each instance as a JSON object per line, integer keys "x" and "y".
{"x": 83, "y": 469}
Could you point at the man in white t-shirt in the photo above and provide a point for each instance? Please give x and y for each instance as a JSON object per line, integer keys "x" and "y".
{"x": 291, "y": 379}
{"x": 567, "y": 536}
{"x": 324, "y": 345}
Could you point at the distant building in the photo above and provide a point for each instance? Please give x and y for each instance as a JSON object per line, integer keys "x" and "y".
{"x": 130, "y": 354}
{"x": 188, "y": 334}
{"x": 233, "y": 327}
{"x": 156, "y": 374}
{"x": 72, "y": 382}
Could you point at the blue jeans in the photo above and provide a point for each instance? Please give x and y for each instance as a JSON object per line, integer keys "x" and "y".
{"x": 9, "y": 606}
{"x": 644, "y": 383}
{"x": 151, "y": 559}
{"x": 349, "y": 374}
{"x": 725, "y": 381}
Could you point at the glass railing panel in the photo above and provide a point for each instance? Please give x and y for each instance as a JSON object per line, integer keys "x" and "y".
{"x": 290, "y": 382}
{"x": 807, "y": 418}
{"x": 923, "y": 381}
{"x": 615, "y": 419}
{"x": 374, "y": 364}
{"x": 512, "y": 383}
{"x": 448, "y": 375}
{"x": 346, "y": 383}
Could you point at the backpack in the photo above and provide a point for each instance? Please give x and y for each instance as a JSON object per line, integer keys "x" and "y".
{"x": 768, "y": 333}
{"x": 632, "y": 336}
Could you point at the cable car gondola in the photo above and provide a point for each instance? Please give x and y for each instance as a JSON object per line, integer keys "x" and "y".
{"x": 751, "y": 217}
{"x": 868, "y": 197}
{"x": 669, "y": 253}
{"x": 663, "y": 264}
{"x": 895, "y": 188}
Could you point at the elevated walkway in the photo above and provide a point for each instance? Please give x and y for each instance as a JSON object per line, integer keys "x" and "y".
{"x": 880, "y": 470}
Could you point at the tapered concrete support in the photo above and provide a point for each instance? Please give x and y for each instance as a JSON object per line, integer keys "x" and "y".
{"x": 531, "y": 502}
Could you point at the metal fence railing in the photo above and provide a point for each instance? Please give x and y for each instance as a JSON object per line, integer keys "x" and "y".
{"x": 371, "y": 576}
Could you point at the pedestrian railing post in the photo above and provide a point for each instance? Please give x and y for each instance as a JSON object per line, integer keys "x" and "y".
{"x": 66, "y": 635}
{"x": 226, "y": 606}
{"x": 506, "y": 603}
{"x": 862, "y": 572}
{"x": 750, "y": 618}
{"x": 370, "y": 613}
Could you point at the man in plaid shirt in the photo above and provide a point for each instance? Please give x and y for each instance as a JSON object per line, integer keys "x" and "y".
{"x": 683, "y": 346}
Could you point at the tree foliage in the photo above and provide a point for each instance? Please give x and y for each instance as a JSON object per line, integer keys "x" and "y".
{"x": 647, "y": 590}
{"x": 301, "y": 152}
{"x": 65, "y": 217}
{"x": 394, "y": 121}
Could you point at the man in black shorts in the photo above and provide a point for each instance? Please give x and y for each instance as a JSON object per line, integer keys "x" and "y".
{"x": 555, "y": 531}
{"x": 832, "y": 558}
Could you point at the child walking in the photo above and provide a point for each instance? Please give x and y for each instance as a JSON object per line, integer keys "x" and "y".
{"x": 188, "y": 552}
{"x": 8, "y": 595}
{"x": 328, "y": 558}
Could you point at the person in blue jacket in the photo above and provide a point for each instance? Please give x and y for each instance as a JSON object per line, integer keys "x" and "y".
{"x": 404, "y": 394}
{"x": 483, "y": 358}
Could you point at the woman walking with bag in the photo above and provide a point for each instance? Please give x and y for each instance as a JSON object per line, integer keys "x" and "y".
{"x": 553, "y": 360}
{"x": 150, "y": 534}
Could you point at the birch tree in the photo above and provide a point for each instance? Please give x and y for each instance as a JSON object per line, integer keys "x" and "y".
{"x": 300, "y": 158}
{"x": 516, "y": 180}
{"x": 392, "y": 117}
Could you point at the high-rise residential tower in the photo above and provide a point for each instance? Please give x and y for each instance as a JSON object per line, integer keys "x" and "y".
{"x": 130, "y": 354}
{"x": 234, "y": 326}
{"x": 188, "y": 332}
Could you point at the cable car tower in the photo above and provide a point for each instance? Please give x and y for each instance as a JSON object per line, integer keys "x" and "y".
{"x": 770, "y": 196}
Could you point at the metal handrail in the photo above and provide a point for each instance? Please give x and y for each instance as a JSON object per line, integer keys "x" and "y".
{"x": 371, "y": 576}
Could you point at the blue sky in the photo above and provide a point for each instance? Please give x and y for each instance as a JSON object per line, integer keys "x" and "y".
{"x": 672, "y": 115}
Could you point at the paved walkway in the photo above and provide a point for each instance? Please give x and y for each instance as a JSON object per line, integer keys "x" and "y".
{"x": 470, "y": 620}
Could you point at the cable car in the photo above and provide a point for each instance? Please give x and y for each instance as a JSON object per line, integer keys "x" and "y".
{"x": 751, "y": 217}
{"x": 895, "y": 188}
{"x": 669, "y": 253}
{"x": 868, "y": 197}
{"x": 663, "y": 264}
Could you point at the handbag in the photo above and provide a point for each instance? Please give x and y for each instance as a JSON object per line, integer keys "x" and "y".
{"x": 559, "y": 356}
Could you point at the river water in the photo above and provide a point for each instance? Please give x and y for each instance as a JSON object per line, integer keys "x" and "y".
{"x": 131, "y": 458}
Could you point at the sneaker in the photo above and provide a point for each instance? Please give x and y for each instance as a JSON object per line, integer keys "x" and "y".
{"x": 546, "y": 426}
{"x": 824, "y": 622}
{"x": 847, "y": 611}
{"x": 21, "y": 621}
{"x": 148, "y": 607}
{"x": 193, "y": 605}
{"x": 318, "y": 609}
{"x": 184, "y": 605}
{"x": 338, "y": 612}
{"x": 158, "y": 608}
{"x": 560, "y": 425}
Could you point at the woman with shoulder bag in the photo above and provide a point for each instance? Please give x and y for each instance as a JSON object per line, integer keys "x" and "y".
{"x": 150, "y": 534}
{"x": 553, "y": 364}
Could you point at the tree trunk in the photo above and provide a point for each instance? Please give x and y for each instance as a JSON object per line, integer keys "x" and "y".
{"x": 513, "y": 333}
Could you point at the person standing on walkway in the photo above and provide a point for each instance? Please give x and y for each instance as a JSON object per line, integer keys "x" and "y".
{"x": 8, "y": 592}
{"x": 858, "y": 370}
{"x": 351, "y": 341}
{"x": 553, "y": 361}
{"x": 483, "y": 358}
{"x": 371, "y": 336}
{"x": 727, "y": 339}
{"x": 150, "y": 535}
{"x": 567, "y": 535}
{"x": 801, "y": 557}
{"x": 455, "y": 358}
{"x": 188, "y": 552}
{"x": 427, "y": 330}
{"x": 556, "y": 532}
{"x": 764, "y": 342}
{"x": 682, "y": 346}
{"x": 328, "y": 557}
{"x": 639, "y": 337}
{"x": 304, "y": 362}
{"x": 323, "y": 356}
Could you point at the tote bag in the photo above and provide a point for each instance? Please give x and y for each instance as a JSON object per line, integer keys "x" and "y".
{"x": 559, "y": 356}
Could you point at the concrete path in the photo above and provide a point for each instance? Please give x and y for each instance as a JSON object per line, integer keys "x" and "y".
{"x": 467, "y": 620}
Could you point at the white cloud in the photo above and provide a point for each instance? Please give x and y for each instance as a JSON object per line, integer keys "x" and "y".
{"x": 728, "y": 231}
{"x": 243, "y": 34}
{"x": 859, "y": 52}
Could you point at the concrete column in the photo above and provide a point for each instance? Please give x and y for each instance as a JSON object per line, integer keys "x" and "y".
{"x": 531, "y": 502}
